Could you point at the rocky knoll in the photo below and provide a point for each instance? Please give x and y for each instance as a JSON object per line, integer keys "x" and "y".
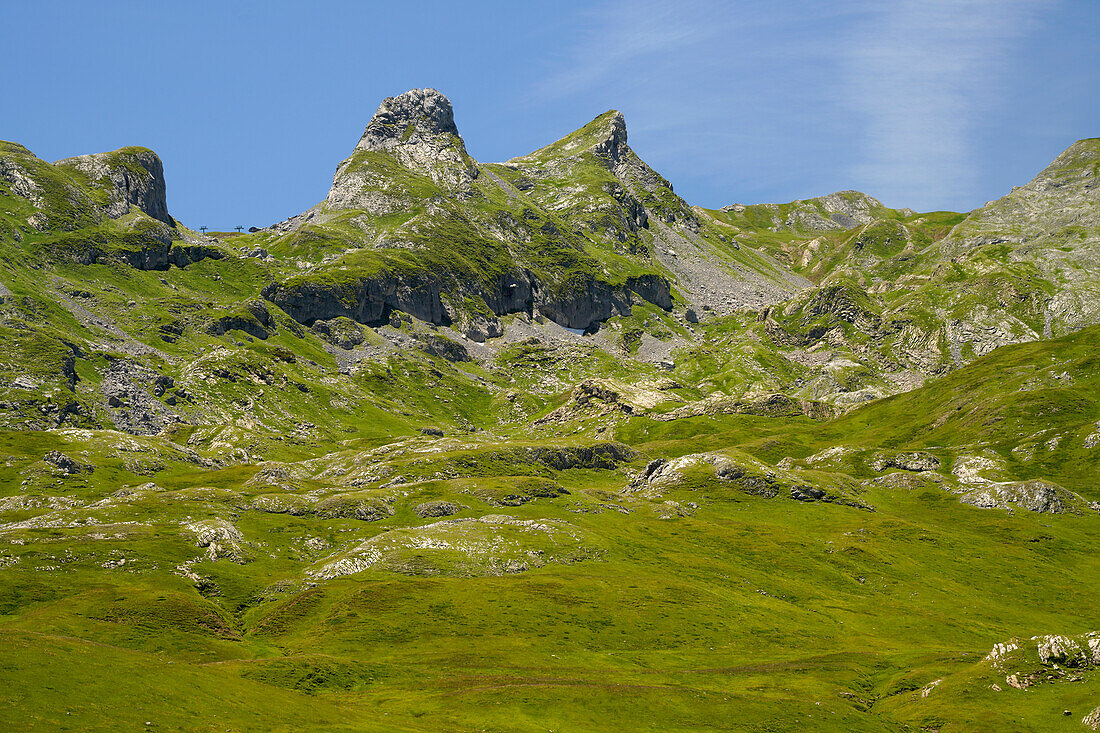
{"x": 837, "y": 211}
{"x": 98, "y": 208}
{"x": 133, "y": 176}
{"x": 1055, "y": 657}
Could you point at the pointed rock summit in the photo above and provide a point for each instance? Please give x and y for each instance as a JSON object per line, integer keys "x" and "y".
{"x": 614, "y": 139}
{"x": 604, "y": 137}
{"x": 409, "y": 119}
{"x": 417, "y": 131}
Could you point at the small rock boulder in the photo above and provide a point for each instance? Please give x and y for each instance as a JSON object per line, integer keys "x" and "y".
{"x": 912, "y": 461}
{"x": 65, "y": 463}
{"x": 340, "y": 331}
{"x": 220, "y": 538}
{"x": 442, "y": 347}
{"x": 437, "y": 509}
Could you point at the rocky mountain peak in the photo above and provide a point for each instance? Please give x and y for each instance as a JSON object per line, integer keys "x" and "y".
{"x": 1052, "y": 224}
{"x": 612, "y": 135}
{"x": 850, "y": 208}
{"x": 1078, "y": 165}
{"x": 1065, "y": 193}
{"x": 410, "y": 117}
{"x": 134, "y": 176}
{"x": 417, "y": 130}
{"x": 836, "y": 211}
{"x": 605, "y": 136}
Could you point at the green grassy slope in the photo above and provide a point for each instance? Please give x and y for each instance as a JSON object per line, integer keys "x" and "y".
{"x": 943, "y": 288}
{"x": 693, "y": 603}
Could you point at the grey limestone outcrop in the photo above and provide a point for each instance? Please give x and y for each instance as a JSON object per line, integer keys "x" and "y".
{"x": 135, "y": 177}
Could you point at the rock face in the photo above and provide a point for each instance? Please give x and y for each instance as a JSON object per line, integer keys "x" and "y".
{"x": 651, "y": 288}
{"x": 156, "y": 256}
{"x": 586, "y": 300}
{"x": 368, "y": 301}
{"x": 426, "y": 111}
{"x": 134, "y": 176}
{"x": 582, "y": 303}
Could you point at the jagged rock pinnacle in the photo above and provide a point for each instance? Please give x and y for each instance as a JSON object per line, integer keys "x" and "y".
{"x": 615, "y": 139}
{"x": 418, "y": 130}
{"x": 416, "y": 114}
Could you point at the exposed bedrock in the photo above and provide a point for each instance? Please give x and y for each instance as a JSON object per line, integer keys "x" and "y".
{"x": 580, "y": 303}
{"x": 134, "y": 176}
{"x": 366, "y": 300}
{"x": 151, "y": 255}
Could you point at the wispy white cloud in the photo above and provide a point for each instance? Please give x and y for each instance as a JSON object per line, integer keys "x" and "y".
{"x": 707, "y": 86}
{"x": 920, "y": 76}
{"x": 613, "y": 37}
{"x": 795, "y": 98}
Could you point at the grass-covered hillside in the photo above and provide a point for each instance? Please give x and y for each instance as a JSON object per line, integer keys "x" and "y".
{"x": 537, "y": 445}
{"x": 907, "y": 295}
{"x": 720, "y": 571}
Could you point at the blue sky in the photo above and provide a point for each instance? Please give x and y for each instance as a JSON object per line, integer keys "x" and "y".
{"x": 930, "y": 104}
